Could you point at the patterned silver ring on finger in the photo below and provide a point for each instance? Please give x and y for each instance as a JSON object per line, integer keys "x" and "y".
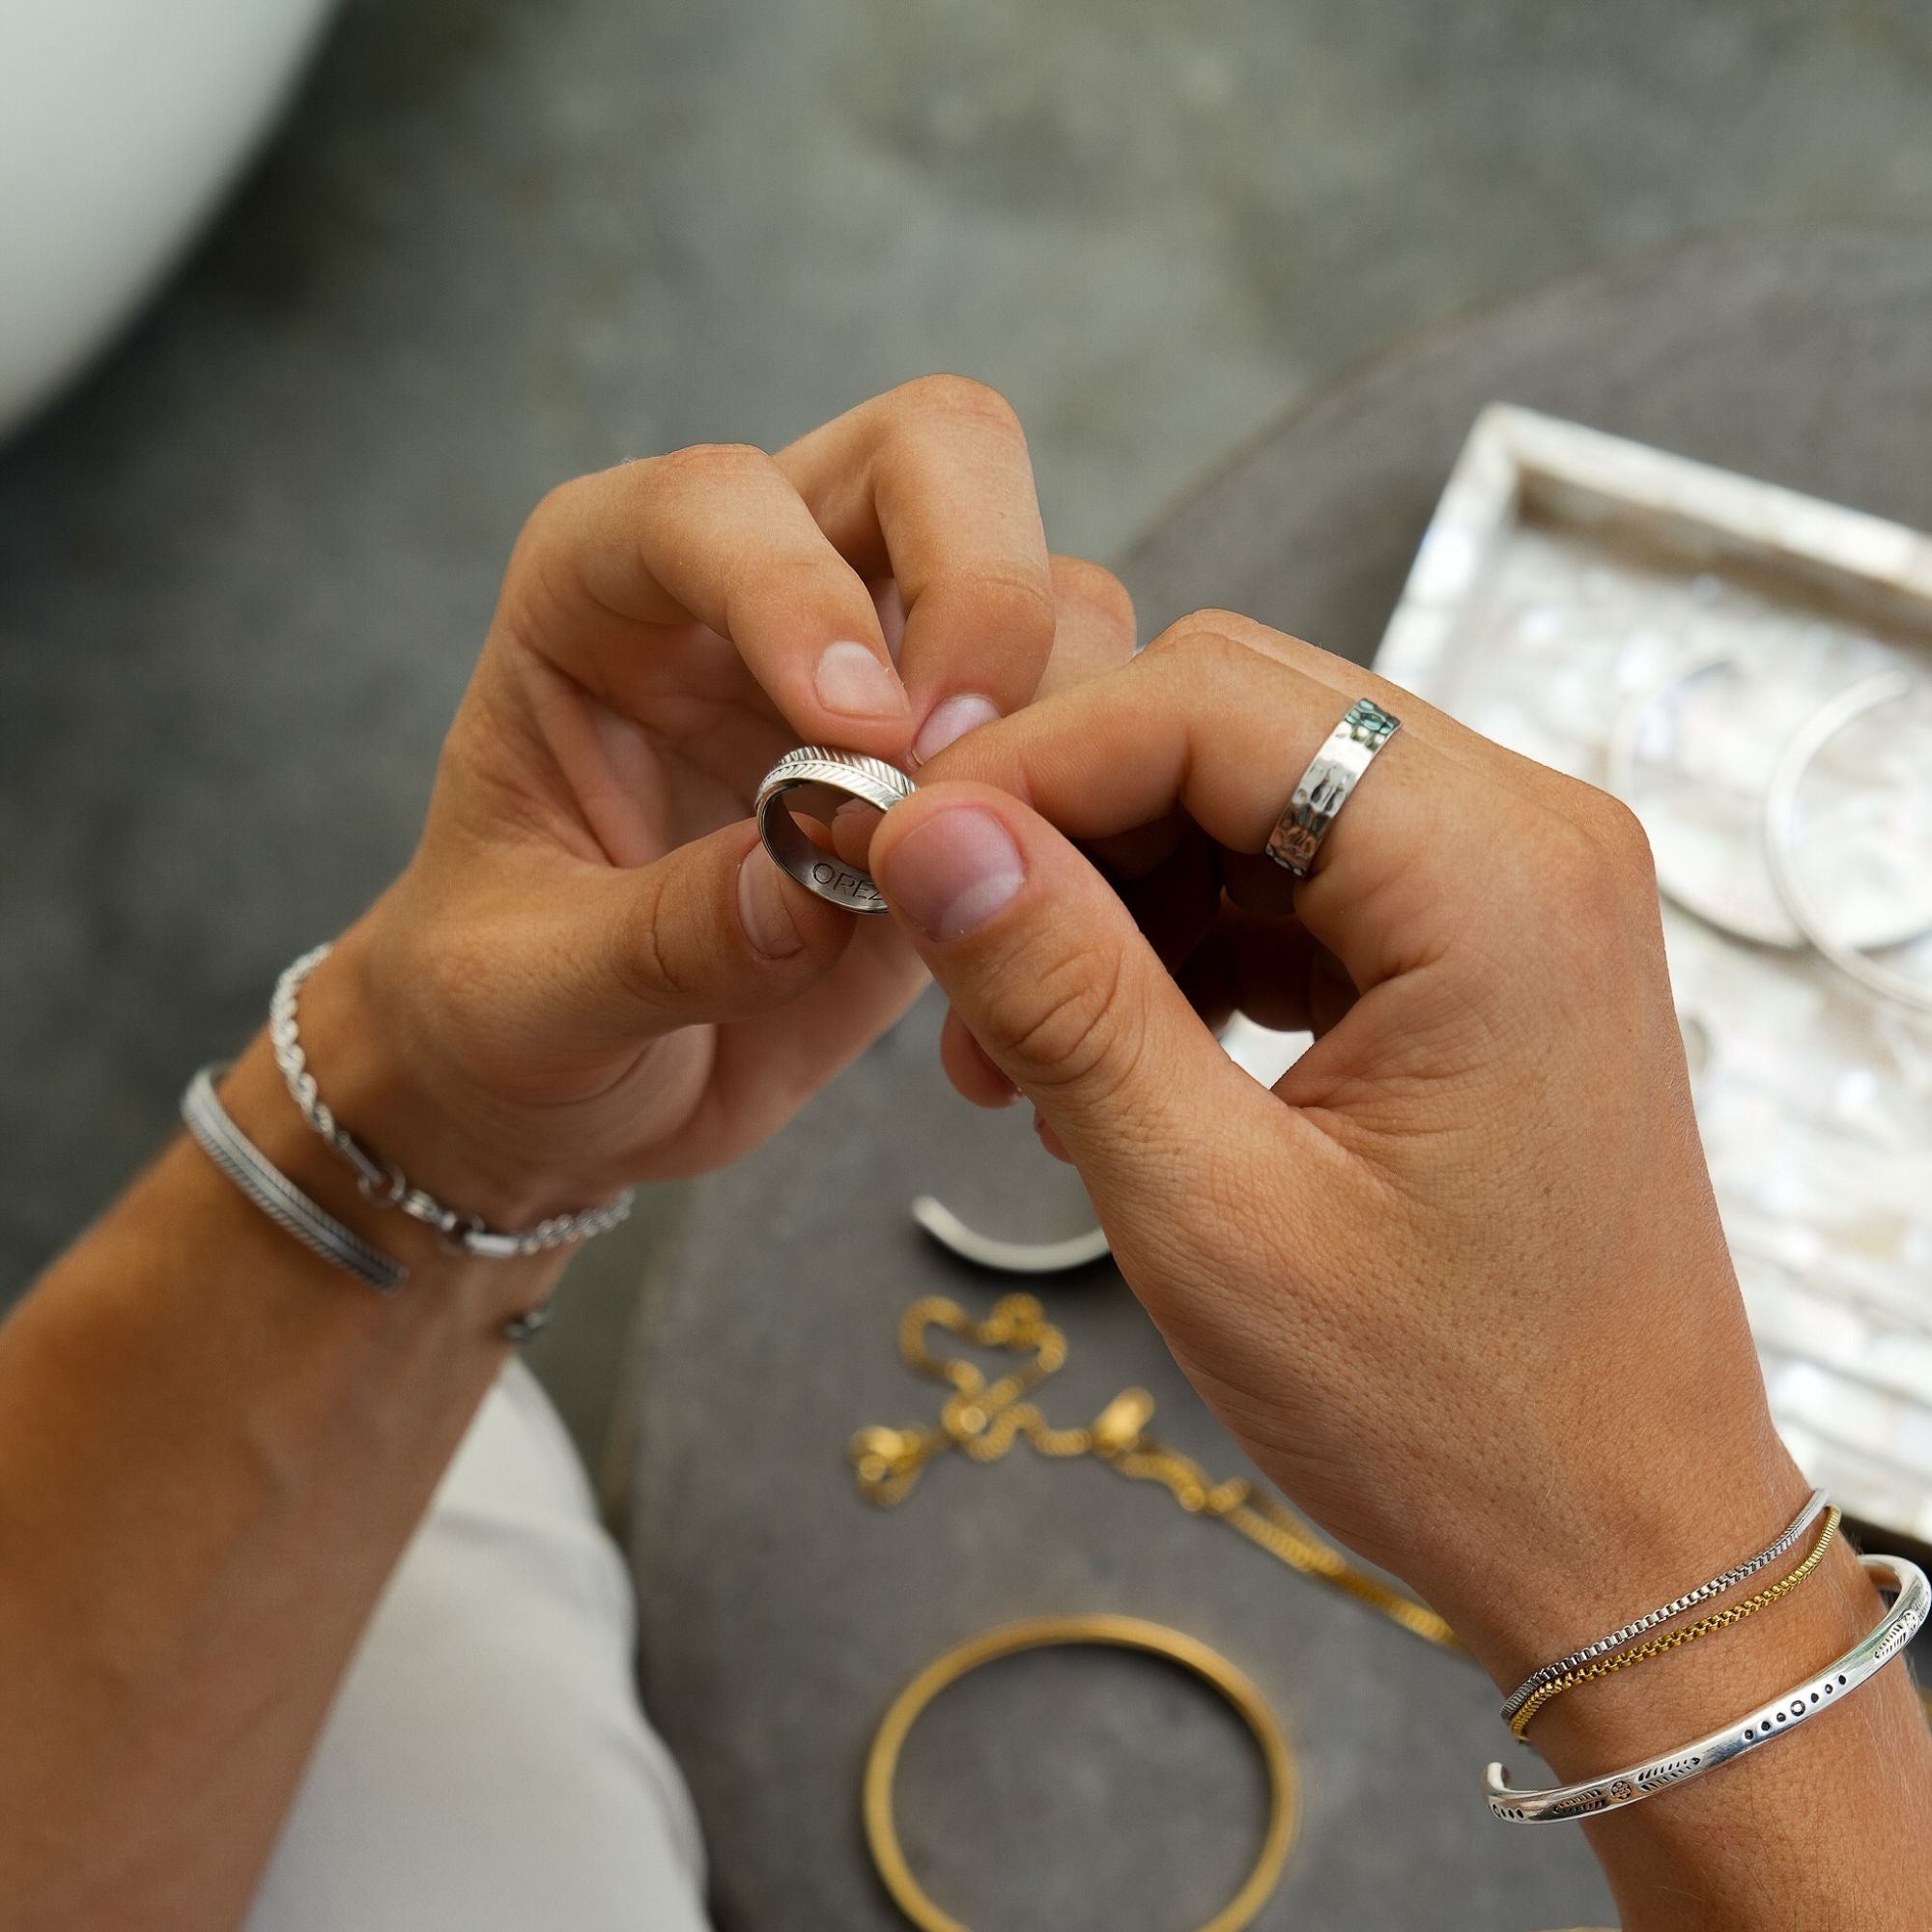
{"x": 817, "y": 775}
{"x": 1332, "y": 775}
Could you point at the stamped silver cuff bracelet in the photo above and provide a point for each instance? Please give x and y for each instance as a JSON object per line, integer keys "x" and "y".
{"x": 1764, "y": 1723}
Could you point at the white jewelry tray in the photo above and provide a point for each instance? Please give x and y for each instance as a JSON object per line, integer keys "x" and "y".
{"x": 1613, "y": 611}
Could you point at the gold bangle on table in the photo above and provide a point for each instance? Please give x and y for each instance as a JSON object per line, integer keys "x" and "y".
{"x": 1048, "y": 1632}
{"x": 1643, "y": 1653}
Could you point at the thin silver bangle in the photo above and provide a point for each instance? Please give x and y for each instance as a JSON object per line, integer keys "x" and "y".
{"x": 382, "y": 1181}
{"x": 1547, "y": 1673}
{"x": 278, "y": 1196}
{"x": 1778, "y": 1718}
{"x": 270, "y": 1189}
{"x": 1781, "y": 832}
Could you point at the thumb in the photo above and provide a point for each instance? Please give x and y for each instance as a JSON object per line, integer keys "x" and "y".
{"x": 713, "y": 931}
{"x": 1046, "y": 968}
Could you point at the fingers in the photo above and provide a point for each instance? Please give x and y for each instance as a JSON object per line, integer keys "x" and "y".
{"x": 1046, "y": 968}
{"x": 885, "y": 580}
{"x": 971, "y": 1069}
{"x": 713, "y": 932}
{"x": 717, "y": 535}
{"x": 1207, "y": 721}
{"x": 1093, "y": 625}
{"x": 1095, "y": 634}
{"x": 932, "y": 484}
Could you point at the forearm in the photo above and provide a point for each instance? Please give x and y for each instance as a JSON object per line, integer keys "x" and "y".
{"x": 212, "y": 1449}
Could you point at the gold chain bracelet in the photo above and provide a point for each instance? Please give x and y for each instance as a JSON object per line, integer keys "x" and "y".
{"x": 1643, "y": 1653}
{"x": 981, "y": 1420}
{"x": 1046, "y": 1633}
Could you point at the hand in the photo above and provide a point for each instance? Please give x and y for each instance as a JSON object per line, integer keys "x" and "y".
{"x": 1457, "y": 1283}
{"x": 590, "y": 973}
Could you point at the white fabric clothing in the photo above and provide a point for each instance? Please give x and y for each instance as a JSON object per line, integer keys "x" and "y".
{"x": 487, "y": 1767}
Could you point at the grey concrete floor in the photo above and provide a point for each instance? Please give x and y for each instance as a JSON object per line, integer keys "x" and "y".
{"x": 243, "y": 570}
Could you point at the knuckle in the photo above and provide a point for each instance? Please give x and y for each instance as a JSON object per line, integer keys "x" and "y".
{"x": 546, "y": 528}
{"x": 1092, "y": 587}
{"x": 1204, "y": 639}
{"x": 956, "y": 396}
{"x": 1214, "y": 621}
{"x": 1621, "y": 832}
{"x": 1014, "y": 605}
{"x": 1582, "y": 866}
{"x": 708, "y": 464}
{"x": 650, "y": 971}
{"x": 1073, "y": 1032}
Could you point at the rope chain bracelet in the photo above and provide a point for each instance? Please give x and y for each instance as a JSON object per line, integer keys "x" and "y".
{"x": 382, "y": 1181}
{"x": 1703, "y": 1593}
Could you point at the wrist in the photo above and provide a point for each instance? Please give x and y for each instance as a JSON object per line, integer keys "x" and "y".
{"x": 470, "y": 1288}
{"x": 384, "y": 1087}
{"x": 1742, "y": 1847}
{"x": 1605, "y": 1553}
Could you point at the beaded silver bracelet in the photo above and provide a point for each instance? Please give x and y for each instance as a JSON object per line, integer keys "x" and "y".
{"x": 1763, "y": 1724}
{"x": 1549, "y": 1673}
{"x": 381, "y": 1180}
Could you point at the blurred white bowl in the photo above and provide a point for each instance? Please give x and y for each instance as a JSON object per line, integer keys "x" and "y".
{"x": 122, "y": 123}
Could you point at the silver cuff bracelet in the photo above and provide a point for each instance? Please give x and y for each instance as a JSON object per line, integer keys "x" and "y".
{"x": 277, "y": 1195}
{"x": 1778, "y": 1718}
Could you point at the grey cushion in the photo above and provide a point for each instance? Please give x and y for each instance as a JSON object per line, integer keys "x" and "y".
{"x": 782, "y": 1612}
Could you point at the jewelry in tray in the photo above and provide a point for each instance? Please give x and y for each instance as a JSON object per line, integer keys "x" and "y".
{"x": 1751, "y": 670}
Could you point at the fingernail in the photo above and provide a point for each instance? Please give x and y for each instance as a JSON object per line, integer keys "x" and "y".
{"x": 952, "y": 719}
{"x": 852, "y": 682}
{"x": 762, "y": 908}
{"x": 955, "y": 870}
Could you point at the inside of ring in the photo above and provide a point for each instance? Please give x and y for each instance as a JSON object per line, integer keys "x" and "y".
{"x": 836, "y": 869}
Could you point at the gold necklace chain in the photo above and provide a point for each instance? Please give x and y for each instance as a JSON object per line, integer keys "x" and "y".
{"x": 981, "y": 1420}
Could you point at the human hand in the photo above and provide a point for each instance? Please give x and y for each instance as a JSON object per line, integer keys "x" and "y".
{"x": 1457, "y": 1283}
{"x": 590, "y": 973}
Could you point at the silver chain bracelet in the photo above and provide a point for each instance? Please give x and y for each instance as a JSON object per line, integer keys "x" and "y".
{"x": 382, "y": 1181}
